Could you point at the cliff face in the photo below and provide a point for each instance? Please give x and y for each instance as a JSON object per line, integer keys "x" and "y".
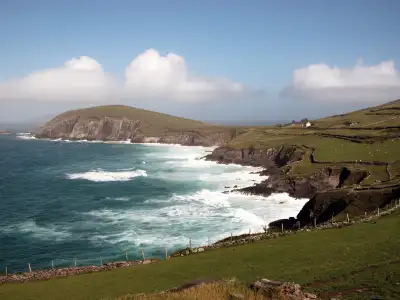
{"x": 118, "y": 129}
{"x": 269, "y": 158}
{"x": 332, "y": 191}
{"x": 327, "y": 204}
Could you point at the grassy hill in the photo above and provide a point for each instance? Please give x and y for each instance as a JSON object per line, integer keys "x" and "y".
{"x": 362, "y": 257}
{"x": 352, "y": 140}
{"x": 154, "y": 123}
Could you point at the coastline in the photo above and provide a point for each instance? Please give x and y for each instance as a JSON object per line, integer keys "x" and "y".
{"x": 241, "y": 222}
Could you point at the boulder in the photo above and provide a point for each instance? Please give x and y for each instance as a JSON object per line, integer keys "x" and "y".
{"x": 275, "y": 290}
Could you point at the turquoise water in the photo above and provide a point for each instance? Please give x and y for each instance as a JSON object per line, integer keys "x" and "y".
{"x": 60, "y": 200}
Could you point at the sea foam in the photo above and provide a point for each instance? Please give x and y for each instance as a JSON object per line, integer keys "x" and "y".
{"x": 104, "y": 176}
{"x": 207, "y": 209}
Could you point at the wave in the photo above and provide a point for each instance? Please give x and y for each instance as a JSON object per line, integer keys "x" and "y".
{"x": 104, "y": 176}
{"x": 44, "y": 233}
{"x": 198, "y": 216}
{"x": 25, "y": 137}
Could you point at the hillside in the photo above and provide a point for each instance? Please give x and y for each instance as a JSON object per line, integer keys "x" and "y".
{"x": 118, "y": 122}
{"x": 346, "y": 164}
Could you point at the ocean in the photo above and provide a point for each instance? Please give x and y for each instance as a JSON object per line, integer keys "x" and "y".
{"x": 93, "y": 202}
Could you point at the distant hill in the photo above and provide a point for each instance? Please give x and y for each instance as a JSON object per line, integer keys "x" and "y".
{"x": 119, "y": 122}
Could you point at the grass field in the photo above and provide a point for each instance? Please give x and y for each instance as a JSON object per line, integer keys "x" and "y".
{"x": 361, "y": 256}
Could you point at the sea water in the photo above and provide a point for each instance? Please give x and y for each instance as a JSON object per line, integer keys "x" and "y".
{"x": 62, "y": 200}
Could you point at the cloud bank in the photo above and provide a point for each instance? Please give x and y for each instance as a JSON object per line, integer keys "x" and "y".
{"x": 149, "y": 76}
{"x": 361, "y": 83}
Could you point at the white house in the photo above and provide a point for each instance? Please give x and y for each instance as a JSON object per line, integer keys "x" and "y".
{"x": 308, "y": 124}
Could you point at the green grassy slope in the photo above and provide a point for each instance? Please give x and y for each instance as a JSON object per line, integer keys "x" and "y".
{"x": 352, "y": 140}
{"x": 361, "y": 256}
{"x": 154, "y": 123}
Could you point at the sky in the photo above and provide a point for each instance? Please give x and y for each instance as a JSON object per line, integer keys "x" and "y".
{"x": 211, "y": 60}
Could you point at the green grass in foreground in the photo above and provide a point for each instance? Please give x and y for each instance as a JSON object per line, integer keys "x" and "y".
{"x": 303, "y": 258}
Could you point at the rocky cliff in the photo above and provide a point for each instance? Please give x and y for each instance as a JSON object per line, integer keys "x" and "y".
{"x": 332, "y": 191}
{"x": 272, "y": 158}
{"x": 117, "y": 123}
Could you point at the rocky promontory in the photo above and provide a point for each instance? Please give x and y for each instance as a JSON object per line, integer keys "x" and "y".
{"x": 122, "y": 123}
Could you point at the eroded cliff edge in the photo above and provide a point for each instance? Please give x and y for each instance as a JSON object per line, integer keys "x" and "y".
{"x": 120, "y": 123}
{"x": 334, "y": 191}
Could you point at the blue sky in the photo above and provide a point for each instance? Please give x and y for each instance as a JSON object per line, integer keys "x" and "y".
{"x": 257, "y": 44}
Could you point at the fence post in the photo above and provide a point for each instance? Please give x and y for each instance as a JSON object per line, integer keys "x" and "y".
{"x": 282, "y": 226}
{"x": 126, "y": 255}
{"x": 142, "y": 254}
{"x": 29, "y": 267}
{"x": 315, "y": 222}
{"x": 208, "y": 241}
{"x": 249, "y": 231}
{"x": 231, "y": 237}
{"x": 166, "y": 253}
{"x": 101, "y": 260}
{"x": 378, "y": 211}
{"x": 6, "y": 272}
{"x": 332, "y": 219}
{"x": 348, "y": 219}
{"x": 52, "y": 264}
{"x": 75, "y": 262}
{"x": 190, "y": 243}
{"x": 365, "y": 214}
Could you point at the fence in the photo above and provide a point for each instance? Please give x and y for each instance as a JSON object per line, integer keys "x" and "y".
{"x": 73, "y": 266}
{"x": 132, "y": 256}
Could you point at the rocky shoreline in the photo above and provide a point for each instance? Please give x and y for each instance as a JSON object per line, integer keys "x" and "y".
{"x": 333, "y": 191}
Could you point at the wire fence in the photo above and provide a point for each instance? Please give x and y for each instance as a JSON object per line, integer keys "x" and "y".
{"x": 143, "y": 255}
{"x": 134, "y": 255}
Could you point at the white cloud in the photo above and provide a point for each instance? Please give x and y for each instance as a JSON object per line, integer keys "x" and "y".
{"x": 361, "y": 83}
{"x": 80, "y": 79}
{"x": 149, "y": 76}
{"x": 153, "y": 75}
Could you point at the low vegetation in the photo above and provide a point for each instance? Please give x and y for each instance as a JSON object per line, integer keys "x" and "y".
{"x": 357, "y": 140}
{"x": 215, "y": 291}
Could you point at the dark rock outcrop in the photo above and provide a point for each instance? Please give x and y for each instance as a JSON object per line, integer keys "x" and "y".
{"x": 305, "y": 187}
{"x": 271, "y": 159}
{"x": 327, "y": 204}
{"x": 331, "y": 190}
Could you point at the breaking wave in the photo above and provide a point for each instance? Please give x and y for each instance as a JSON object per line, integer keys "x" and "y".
{"x": 104, "y": 176}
